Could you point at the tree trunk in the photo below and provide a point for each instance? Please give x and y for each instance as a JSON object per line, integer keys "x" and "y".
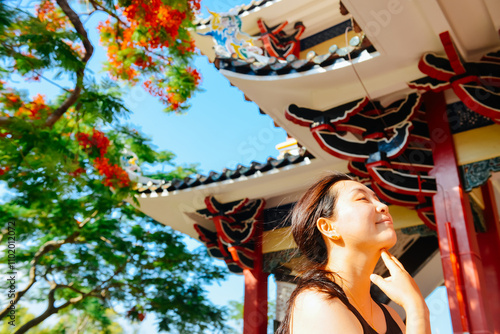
{"x": 18, "y": 295}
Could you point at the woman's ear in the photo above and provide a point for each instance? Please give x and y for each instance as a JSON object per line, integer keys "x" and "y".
{"x": 327, "y": 228}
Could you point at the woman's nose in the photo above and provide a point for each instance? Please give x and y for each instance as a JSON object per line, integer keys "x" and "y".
{"x": 382, "y": 207}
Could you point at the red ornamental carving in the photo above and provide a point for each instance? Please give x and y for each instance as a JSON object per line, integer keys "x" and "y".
{"x": 385, "y": 131}
{"x": 277, "y": 43}
{"x": 475, "y": 83}
{"x": 235, "y": 227}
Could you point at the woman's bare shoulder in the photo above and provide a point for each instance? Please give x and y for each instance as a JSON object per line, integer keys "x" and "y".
{"x": 312, "y": 298}
{"x": 315, "y": 312}
{"x": 396, "y": 317}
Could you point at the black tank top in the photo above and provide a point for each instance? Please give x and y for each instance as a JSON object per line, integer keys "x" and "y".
{"x": 391, "y": 325}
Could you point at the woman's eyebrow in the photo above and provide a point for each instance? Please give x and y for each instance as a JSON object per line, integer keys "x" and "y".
{"x": 359, "y": 189}
{"x": 363, "y": 190}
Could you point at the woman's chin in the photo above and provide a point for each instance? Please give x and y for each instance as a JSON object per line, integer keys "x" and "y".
{"x": 391, "y": 241}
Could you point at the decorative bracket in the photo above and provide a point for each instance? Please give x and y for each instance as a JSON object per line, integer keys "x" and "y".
{"x": 475, "y": 83}
{"x": 235, "y": 225}
{"x": 277, "y": 43}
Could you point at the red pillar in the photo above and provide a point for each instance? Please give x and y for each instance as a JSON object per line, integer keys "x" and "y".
{"x": 255, "y": 305}
{"x": 451, "y": 205}
{"x": 490, "y": 252}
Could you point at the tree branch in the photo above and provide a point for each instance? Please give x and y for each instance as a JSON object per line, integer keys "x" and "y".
{"x": 71, "y": 287}
{"x": 100, "y": 7}
{"x": 82, "y": 224}
{"x": 119, "y": 270}
{"x": 47, "y": 247}
{"x": 89, "y": 50}
{"x": 75, "y": 20}
{"x": 47, "y": 313}
{"x": 51, "y": 309}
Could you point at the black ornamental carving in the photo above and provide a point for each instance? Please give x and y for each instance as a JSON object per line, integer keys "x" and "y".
{"x": 476, "y": 83}
{"x": 277, "y": 43}
{"x": 235, "y": 227}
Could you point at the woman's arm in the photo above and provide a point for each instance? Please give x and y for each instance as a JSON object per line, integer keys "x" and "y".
{"x": 403, "y": 290}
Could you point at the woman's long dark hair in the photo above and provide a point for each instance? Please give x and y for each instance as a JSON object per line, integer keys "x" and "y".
{"x": 317, "y": 202}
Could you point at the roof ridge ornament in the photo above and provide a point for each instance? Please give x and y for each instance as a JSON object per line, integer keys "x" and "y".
{"x": 279, "y": 44}
{"x": 225, "y": 30}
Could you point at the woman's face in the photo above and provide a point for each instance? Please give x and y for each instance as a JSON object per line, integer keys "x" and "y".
{"x": 361, "y": 220}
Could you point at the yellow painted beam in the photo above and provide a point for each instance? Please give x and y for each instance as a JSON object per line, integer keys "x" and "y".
{"x": 477, "y": 144}
{"x": 277, "y": 240}
{"x": 404, "y": 217}
{"x": 477, "y": 195}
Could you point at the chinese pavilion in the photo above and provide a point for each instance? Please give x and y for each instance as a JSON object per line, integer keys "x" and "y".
{"x": 403, "y": 95}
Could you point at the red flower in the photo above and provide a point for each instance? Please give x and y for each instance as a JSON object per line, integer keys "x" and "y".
{"x": 114, "y": 174}
{"x": 34, "y": 109}
{"x": 47, "y": 12}
{"x": 4, "y": 170}
{"x": 195, "y": 74}
{"x": 77, "y": 172}
{"x": 134, "y": 313}
{"x": 98, "y": 140}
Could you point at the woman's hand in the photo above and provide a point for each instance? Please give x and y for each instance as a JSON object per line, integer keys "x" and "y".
{"x": 403, "y": 290}
{"x": 400, "y": 286}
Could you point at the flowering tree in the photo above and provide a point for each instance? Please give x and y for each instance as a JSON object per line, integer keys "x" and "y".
{"x": 79, "y": 241}
{"x": 135, "y": 37}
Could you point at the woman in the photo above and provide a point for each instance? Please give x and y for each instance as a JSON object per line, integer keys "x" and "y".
{"x": 342, "y": 228}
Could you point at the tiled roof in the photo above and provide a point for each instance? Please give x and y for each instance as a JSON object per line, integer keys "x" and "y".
{"x": 291, "y": 65}
{"x": 160, "y": 186}
{"x": 240, "y": 10}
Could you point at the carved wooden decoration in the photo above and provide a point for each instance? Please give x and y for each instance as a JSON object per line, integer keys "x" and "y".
{"x": 235, "y": 226}
{"x": 476, "y": 83}
{"x": 277, "y": 43}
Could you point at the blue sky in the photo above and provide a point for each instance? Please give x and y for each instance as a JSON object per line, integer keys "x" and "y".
{"x": 220, "y": 130}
